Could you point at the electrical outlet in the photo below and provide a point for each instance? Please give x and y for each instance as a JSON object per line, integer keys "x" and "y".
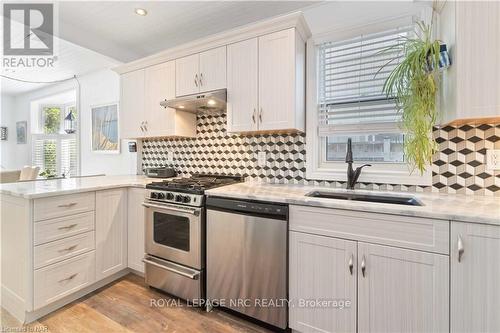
{"x": 261, "y": 158}
{"x": 170, "y": 156}
{"x": 493, "y": 159}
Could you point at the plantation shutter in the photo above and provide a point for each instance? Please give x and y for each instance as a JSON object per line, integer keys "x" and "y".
{"x": 56, "y": 153}
{"x": 350, "y": 96}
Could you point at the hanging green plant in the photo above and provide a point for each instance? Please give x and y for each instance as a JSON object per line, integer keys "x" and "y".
{"x": 413, "y": 84}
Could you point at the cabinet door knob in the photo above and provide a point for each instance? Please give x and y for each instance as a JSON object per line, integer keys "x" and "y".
{"x": 351, "y": 264}
{"x": 196, "y": 80}
{"x": 363, "y": 266}
{"x": 460, "y": 248}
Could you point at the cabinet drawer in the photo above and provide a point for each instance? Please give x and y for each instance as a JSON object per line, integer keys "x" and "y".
{"x": 48, "y": 208}
{"x": 400, "y": 231}
{"x": 64, "y": 278}
{"x": 62, "y": 249}
{"x": 51, "y": 230}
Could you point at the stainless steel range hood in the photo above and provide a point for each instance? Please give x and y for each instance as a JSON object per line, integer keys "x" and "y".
{"x": 212, "y": 102}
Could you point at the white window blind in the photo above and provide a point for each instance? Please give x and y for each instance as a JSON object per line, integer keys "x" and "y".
{"x": 55, "y": 153}
{"x": 350, "y": 96}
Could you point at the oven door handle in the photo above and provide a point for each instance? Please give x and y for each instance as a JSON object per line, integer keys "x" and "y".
{"x": 193, "y": 211}
{"x": 192, "y": 276}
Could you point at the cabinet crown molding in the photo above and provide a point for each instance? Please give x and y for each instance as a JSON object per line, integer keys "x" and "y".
{"x": 293, "y": 20}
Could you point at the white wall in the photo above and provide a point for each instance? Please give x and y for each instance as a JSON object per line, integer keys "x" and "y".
{"x": 12, "y": 155}
{"x": 95, "y": 88}
{"x": 340, "y": 15}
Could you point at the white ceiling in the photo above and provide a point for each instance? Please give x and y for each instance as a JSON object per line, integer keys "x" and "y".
{"x": 95, "y": 33}
{"x": 112, "y": 28}
{"x": 71, "y": 60}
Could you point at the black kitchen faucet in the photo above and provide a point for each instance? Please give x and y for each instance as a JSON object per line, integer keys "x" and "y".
{"x": 352, "y": 175}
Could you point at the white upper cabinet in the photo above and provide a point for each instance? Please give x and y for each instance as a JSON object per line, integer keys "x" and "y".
{"x": 470, "y": 85}
{"x": 201, "y": 72}
{"x": 475, "y": 276}
{"x": 277, "y": 62}
{"x": 141, "y": 115}
{"x": 187, "y": 80}
{"x": 277, "y": 59}
{"x": 213, "y": 69}
{"x": 132, "y": 104}
{"x": 242, "y": 86}
{"x": 160, "y": 85}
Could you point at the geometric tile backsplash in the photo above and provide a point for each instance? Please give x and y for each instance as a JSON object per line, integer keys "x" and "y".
{"x": 458, "y": 167}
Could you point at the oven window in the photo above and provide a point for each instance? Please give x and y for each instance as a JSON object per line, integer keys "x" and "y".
{"x": 171, "y": 230}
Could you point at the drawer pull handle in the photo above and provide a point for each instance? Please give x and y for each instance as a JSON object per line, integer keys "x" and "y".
{"x": 460, "y": 248}
{"x": 71, "y": 277}
{"x": 351, "y": 264}
{"x": 68, "y": 226}
{"x": 71, "y": 204}
{"x": 363, "y": 266}
{"x": 260, "y": 115}
{"x": 71, "y": 248}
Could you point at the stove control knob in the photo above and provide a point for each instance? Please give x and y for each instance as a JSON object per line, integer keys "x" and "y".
{"x": 161, "y": 195}
{"x": 154, "y": 195}
{"x": 170, "y": 196}
{"x": 178, "y": 198}
{"x": 186, "y": 199}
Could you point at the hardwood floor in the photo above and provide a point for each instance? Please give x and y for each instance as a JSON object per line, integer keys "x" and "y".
{"x": 126, "y": 306}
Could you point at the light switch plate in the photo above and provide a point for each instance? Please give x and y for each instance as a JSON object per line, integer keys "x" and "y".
{"x": 493, "y": 159}
{"x": 170, "y": 156}
{"x": 261, "y": 158}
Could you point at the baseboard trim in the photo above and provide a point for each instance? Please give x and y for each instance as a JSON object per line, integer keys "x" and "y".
{"x": 13, "y": 304}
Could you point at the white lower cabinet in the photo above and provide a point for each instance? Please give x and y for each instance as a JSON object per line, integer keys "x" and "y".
{"x": 56, "y": 281}
{"x": 349, "y": 285}
{"x": 322, "y": 268}
{"x": 136, "y": 229}
{"x": 111, "y": 232}
{"x": 475, "y": 277}
{"x": 398, "y": 290}
{"x": 401, "y": 290}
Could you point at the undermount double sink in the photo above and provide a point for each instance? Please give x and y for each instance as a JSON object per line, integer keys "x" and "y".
{"x": 367, "y": 197}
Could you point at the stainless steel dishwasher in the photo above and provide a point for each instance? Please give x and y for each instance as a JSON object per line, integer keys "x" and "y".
{"x": 247, "y": 258}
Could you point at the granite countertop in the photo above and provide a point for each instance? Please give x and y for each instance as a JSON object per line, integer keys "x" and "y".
{"x": 53, "y": 187}
{"x": 457, "y": 207}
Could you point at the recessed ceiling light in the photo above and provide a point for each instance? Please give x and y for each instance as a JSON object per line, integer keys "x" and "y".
{"x": 141, "y": 11}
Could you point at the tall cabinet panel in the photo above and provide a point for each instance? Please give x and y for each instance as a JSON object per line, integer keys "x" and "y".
{"x": 277, "y": 80}
{"x": 322, "y": 268}
{"x": 242, "y": 86}
{"x": 402, "y": 290}
{"x": 135, "y": 230}
{"x": 132, "y": 104}
{"x": 111, "y": 232}
{"x": 478, "y": 39}
{"x": 475, "y": 277}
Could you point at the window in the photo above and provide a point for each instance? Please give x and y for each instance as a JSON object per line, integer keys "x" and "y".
{"x": 350, "y": 69}
{"x": 53, "y": 149}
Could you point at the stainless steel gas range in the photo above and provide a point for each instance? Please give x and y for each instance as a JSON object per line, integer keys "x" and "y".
{"x": 175, "y": 234}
